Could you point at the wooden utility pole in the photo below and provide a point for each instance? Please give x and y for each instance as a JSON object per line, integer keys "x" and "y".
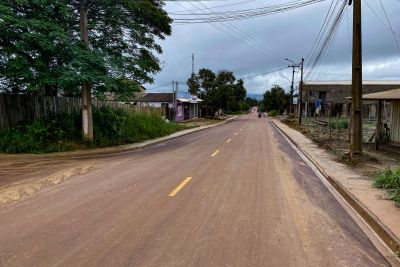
{"x": 301, "y": 90}
{"x": 87, "y": 121}
{"x": 356, "y": 92}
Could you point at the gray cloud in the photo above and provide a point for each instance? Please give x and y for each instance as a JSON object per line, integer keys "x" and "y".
{"x": 285, "y": 35}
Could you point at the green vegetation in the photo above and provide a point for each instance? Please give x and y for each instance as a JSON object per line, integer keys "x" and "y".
{"x": 273, "y": 113}
{"x": 397, "y": 254}
{"x": 62, "y": 132}
{"x": 41, "y": 51}
{"x": 218, "y": 91}
{"x": 275, "y": 100}
{"x": 390, "y": 181}
{"x": 342, "y": 123}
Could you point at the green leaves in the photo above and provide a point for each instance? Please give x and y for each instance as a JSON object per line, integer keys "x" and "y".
{"x": 218, "y": 91}
{"x": 276, "y": 99}
{"x": 41, "y": 51}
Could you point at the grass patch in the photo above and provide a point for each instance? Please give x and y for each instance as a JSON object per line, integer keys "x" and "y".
{"x": 390, "y": 181}
{"x": 62, "y": 132}
{"x": 342, "y": 123}
{"x": 273, "y": 113}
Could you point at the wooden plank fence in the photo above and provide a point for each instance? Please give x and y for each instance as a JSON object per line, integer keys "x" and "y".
{"x": 16, "y": 109}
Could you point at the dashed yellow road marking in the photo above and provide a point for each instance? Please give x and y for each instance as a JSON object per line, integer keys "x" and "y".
{"x": 236, "y": 133}
{"x": 215, "y": 153}
{"x": 230, "y": 139}
{"x": 179, "y": 187}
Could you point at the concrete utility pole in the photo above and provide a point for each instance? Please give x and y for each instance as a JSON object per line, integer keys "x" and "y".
{"x": 300, "y": 97}
{"x": 301, "y": 90}
{"x": 356, "y": 92}
{"x": 192, "y": 63}
{"x": 87, "y": 121}
{"x": 291, "y": 90}
{"x": 174, "y": 99}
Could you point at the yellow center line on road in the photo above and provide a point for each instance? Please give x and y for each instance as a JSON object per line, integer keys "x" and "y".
{"x": 215, "y": 153}
{"x": 230, "y": 139}
{"x": 179, "y": 187}
{"x": 236, "y": 133}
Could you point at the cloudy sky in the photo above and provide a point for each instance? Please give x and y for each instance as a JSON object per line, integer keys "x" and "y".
{"x": 254, "y": 47}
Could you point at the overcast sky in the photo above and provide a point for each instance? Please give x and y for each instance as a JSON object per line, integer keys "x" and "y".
{"x": 291, "y": 34}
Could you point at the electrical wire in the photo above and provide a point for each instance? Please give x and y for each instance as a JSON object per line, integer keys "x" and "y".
{"x": 262, "y": 74}
{"x": 215, "y": 7}
{"x": 390, "y": 25}
{"x": 379, "y": 18}
{"x": 248, "y": 37}
{"x": 187, "y": 18}
{"x": 326, "y": 42}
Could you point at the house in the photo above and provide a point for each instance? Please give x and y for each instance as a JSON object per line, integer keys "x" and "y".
{"x": 334, "y": 96}
{"x": 393, "y": 98}
{"x": 178, "y": 106}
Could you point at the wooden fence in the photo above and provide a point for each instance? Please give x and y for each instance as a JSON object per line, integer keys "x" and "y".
{"x": 16, "y": 109}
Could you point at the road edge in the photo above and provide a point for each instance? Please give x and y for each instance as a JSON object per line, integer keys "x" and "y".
{"x": 371, "y": 219}
{"x": 114, "y": 150}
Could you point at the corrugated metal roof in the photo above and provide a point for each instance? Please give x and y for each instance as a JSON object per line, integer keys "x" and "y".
{"x": 347, "y": 82}
{"x": 385, "y": 95}
{"x": 157, "y": 97}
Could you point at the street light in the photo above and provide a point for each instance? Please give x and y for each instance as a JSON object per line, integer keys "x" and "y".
{"x": 300, "y": 66}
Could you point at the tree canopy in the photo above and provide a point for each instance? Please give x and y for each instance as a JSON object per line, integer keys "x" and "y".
{"x": 276, "y": 99}
{"x": 41, "y": 51}
{"x": 218, "y": 91}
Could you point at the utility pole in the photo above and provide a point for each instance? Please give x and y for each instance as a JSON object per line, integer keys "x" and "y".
{"x": 87, "y": 121}
{"x": 291, "y": 90}
{"x": 300, "y": 97}
{"x": 192, "y": 63}
{"x": 301, "y": 89}
{"x": 174, "y": 100}
{"x": 356, "y": 91}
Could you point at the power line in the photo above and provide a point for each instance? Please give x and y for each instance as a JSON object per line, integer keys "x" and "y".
{"x": 187, "y": 18}
{"x": 214, "y": 7}
{"x": 160, "y": 86}
{"x": 390, "y": 25}
{"x": 245, "y": 35}
{"x": 326, "y": 42}
{"x": 261, "y": 74}
{"x": 241, "y": 38}
{"x": 379, "y": 18}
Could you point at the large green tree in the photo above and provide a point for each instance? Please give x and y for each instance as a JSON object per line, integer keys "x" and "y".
{"x": 218, "y": 91}
{"x": 41, "y": 51}
{"x": 276, "y": 99}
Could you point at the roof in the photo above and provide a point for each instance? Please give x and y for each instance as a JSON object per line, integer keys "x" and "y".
{"x": 157, "y": 97}
{"x": 385, "y": 95}
{"x": 348, "y": 82}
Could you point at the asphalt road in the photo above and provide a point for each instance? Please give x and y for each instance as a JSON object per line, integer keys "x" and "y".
{"x": 233, "y": 195}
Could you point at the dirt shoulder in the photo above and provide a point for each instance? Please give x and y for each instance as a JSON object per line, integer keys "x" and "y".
{"x": 381, "y": 212}
{"x": 24, "y": 174}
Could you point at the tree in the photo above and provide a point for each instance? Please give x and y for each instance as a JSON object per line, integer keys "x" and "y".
{"x": 41, "y": 51}
{"x": 220, "y": 91}
{"x": 276, "y": 99}
{"x": 193, "y": 84}
{"x": 251, "y": 102}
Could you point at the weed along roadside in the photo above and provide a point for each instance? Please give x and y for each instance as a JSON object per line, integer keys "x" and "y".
{"x": 62, "y": 131}
{"x": 372, "y": 204}
{"x": 389, "y": 180}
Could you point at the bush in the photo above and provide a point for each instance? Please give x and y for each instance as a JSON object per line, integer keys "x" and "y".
{"x": 342, "y": 123}
{"x": 62, "y": 132}
{"x": 390, "y": 180}
{"x": 44, "y": 135}
{"x": 273, "y": 113}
